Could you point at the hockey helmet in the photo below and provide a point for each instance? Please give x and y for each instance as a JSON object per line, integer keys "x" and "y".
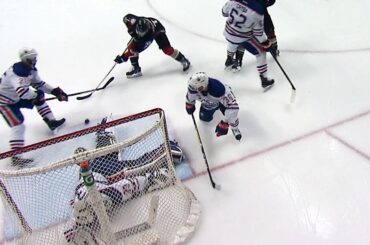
{"x": 142, "y": 27}
{"x": 198, "y": 81}
{"x": 28, "y": 56}
{"x": 80, "y": 149}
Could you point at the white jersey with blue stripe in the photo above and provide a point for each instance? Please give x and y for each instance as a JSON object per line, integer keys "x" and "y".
{"x": 244, "y": 21}
{"x": 216, "y": 94}
{"x": 16, "y": 81}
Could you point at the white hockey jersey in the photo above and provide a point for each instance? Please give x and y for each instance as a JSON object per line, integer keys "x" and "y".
{"x": 244, "y": 21}
{"x": 119, "y": 191}
{"x": 217, "y": 93}
{"x": 15, "y": 84}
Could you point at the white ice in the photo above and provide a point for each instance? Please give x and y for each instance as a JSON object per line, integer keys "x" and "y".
{"x": 300, "y": 175}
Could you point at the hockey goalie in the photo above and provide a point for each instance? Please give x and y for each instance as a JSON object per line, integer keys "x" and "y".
{"x": 114, "y": 187}
{"x": 114, "y": 196}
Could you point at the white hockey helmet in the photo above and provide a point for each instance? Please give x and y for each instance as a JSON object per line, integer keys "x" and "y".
{"x": 198, "y": 81}
{"x": 28, "y": 56}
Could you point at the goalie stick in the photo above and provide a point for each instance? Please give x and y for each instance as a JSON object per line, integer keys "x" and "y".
{"x": 97, "y": 87}
{"x": 153, "y": 207}
{"x": 214, "y": 185}
{"x": 86, "y": 91}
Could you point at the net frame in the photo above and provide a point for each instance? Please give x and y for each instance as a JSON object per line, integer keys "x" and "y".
{"x": 180, "y": 236}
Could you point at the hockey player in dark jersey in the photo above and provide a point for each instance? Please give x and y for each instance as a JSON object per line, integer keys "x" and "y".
{"x": 213, "y": 95}
{"x": 143, "y": 31}
{"x": 269, "y": 29}
{"x": 21, "y": 87}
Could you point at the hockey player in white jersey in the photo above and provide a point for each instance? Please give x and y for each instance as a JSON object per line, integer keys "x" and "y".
{"x": 213, "y": 95}
{"x": 21, "y": 87}
{"x": 269, "y": 29}
{"x": 245, "y": 27}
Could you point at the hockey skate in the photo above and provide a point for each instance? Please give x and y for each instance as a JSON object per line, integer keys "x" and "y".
{"x": 236, "y": 66}
{"x": 185, "y": 64}
{"x": 229, "y": 63}
{"x": 237, "y": 134}
{"x": 54, "y": 124}
{"x": 266, "y": 83}
{"x": 135, "y": 72}
{"x": 20, "y": 162}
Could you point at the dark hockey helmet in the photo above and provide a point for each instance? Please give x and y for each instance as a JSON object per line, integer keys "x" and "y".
{"x": 129, "y": 19}
{"x": 142, "y": 27}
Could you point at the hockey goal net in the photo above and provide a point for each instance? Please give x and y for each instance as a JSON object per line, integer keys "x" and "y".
{"x": 112, "y": 183}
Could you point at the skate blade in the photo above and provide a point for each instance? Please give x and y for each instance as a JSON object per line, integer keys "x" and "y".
{"x": 265, "y": 89}
{"x": 228, "y": 68}
{"x": 237, "y": 69}
{"x": 134, "y": 75}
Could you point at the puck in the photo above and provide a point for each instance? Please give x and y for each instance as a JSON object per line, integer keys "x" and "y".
{"x": 87, "y": 121}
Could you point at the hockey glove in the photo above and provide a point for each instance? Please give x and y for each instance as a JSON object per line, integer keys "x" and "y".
{"x": 222, "y": 128}
{"x": 59, "y": 93}
{"x": 266, "y": 45}
{"x": 40, "y": 98}
{"x": 120, "y": 59}
{"x": 190, "y": 108}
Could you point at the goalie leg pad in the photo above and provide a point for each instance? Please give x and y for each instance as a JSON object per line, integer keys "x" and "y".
{"x": 176, "y": 151}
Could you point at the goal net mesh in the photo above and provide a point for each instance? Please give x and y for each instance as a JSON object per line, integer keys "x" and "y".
{"x": 136, "y": 196}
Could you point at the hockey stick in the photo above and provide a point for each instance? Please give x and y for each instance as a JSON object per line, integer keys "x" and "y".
{"x": 86, "y": 91}
{"x": 153, "y": 207}
{"x": 292, "y": 97}
{"x": 97, "y": 87}
{"x": 214, "y": 185}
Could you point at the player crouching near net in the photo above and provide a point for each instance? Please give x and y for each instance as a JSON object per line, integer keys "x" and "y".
{"x": 213, "y": 95}
{"x": 143, "y": 31}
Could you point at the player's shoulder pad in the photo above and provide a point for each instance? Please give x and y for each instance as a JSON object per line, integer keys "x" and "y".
{"x": 215, "y": 87}
{"x": 254, "y": 5}
{"x": 21, "y": 70}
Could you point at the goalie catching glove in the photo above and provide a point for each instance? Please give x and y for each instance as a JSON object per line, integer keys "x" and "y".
{"x": 60, "y": 94}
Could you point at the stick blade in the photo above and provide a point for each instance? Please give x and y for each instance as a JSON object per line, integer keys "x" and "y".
{"x": 107, "y": 83}
{"x": 84, "y": 97}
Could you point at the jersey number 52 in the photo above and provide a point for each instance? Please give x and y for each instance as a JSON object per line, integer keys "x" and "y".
{"x": 237, "y": 19}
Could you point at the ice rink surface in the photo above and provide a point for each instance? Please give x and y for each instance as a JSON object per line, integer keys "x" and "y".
{"x": 300, "y": 175}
